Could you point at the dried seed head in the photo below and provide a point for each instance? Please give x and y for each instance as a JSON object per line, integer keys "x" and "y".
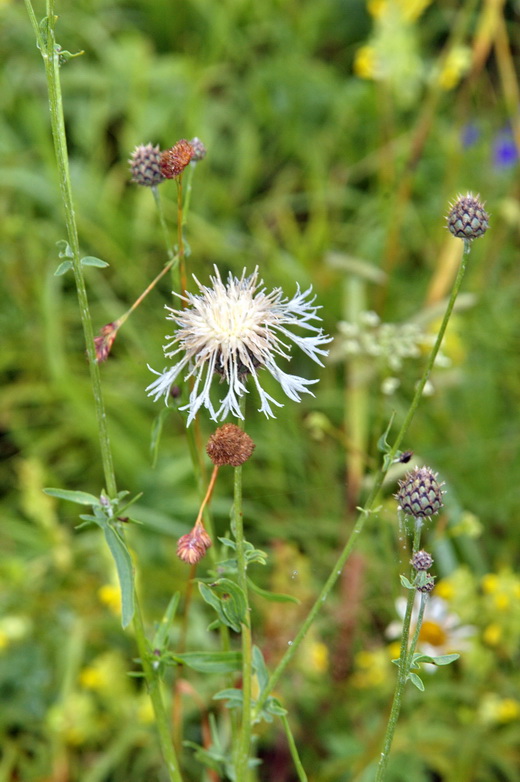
{"x": 427, "y": 586}
{"x": 199, "y": 150}
{"x": 467, "y": 218}
{"x": 420, "y": 494}
{"x": 175, "y": 160}
{"x": 145, "y": 165}
{"x": 229, "y": 444}
{"x": 193, "y": 546}
{"x": 421, "y": 560}
{"x": 104, "y": 341}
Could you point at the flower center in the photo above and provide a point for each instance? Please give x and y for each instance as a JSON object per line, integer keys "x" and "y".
{"x": 432, "y": 633}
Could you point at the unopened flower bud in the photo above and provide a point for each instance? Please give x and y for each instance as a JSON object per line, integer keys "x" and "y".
{"x": 175, "y": 160}
{"x": 229, "y": 444}
{"x": 199, "y": 150}
{"x": 145, "y": 165}
{"x": 467, "y": 218}
{"x": 193, "y": 546}
{"x": 421, "y": 560}
{"x": 104, "y": 341}
{"x": 420, "y": 494}
{"x": 427, "y": 585}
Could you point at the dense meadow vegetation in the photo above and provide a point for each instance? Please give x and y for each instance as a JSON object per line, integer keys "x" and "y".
{"x": 337, "y": 132}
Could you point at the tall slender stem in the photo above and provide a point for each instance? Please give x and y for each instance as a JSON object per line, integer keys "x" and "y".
{"x": 50, "y": 54}
{"x": 370, "y": 502}
{"x": 244, "y": 738}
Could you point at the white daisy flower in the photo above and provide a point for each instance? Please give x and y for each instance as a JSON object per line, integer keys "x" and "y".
{"x": 441, "y": 631}
{"x": 234, "y": 329}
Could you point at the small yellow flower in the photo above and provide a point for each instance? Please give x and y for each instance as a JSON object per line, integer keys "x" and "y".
{"x": 492, "y": 634}
{"x": 91, "y": 678}
{"x": 4, "y": 640}
{"x": 456, "y": 66}
{"x": 490, "y": 583}
{"x": 365, "y": 62}
{"x": 319, "y": 655}
{"x": 502, "y": 601}
{"x": 111, "y": 597}
{"x": 145, "y": 713}
{"x": 445, "y": 590}
{"x": 508, "y": 710}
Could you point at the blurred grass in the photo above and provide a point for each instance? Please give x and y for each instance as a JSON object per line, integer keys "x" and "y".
{"x": 304, "y": 158}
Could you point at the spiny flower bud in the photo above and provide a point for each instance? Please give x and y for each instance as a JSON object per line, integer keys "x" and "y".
{"x": 427, "y": 585}
{"x": 175, "y": 160}
{"x": 199, "y": 150}
{"x": 229, "y": 444}
{"x": 421, "y": 560}
{"x": 104, "y": 341}
{"x": 193, "y": 546}
{"x": 145, "y": 165}
{"x": 420, "y": 494}
{"x": 467, "y": 218}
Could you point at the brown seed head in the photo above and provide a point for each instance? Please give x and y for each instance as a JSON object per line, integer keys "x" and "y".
{"x": 175, "y": 160}
{"x": 193, "y": 546}
{"x": 104, "y": 341}
{"x": 145, "y": 165}
{"x": 229, "y": 445}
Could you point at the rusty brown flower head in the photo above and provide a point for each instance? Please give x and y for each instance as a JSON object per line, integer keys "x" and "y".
{"x": 175, "y": 160}
{"x": 229, "y": 444}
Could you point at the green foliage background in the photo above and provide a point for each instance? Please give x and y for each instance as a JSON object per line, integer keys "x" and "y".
{"x": 305, "y": 159}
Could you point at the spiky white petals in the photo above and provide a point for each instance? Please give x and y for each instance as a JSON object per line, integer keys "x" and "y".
{"x": 232, "y": 330}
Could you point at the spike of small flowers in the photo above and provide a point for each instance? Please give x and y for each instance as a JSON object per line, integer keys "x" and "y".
{"x": 145, "y": 165}
{"x": 175, "y": 160}
{"x": 229, "y": 444}
{"x": 233, "y": 330}
{"x": 467, "y": 218}
{"x": 420, "y": 494}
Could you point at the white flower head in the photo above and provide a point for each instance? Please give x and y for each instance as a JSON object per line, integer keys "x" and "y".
{"x": 234, "y": 329}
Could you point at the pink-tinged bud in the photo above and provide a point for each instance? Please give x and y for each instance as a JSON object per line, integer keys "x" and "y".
{"x": 104, "y": 341}
{"x": 175, "y": 160}
{"x": 193, "y": 546}
{"x": 199, "y": 150}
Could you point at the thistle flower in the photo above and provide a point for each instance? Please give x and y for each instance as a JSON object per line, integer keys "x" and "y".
{"x": 467, "y": 218}
{"x": 145, "y": 165}
{"x": 420, "y": 494}
{"x": 175, "y": 160}
{"x": 193, "y": 546}
{"x": 232, "y": 330}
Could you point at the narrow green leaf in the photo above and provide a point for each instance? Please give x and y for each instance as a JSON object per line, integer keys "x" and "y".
{"x": 125, "y": 573}
{"x": 445, "y": 659}
{"x": 232, "y": 695}
{"x": 81, "y": 497}
{"x": 228, "y": 600}
{"x": 406, "y": 582}
{"x": 274, "y": 597}
{"x": 262, "y": 674}
{"x": 161, "y": 634}
{"x": 91, "y": 260}
{"x": 417, "y": 681}
{"x": 63, "y": 268}
{"x": 211, "y": 662}
{"x": 64, "y": 249}
{"x": 382, "y": 444}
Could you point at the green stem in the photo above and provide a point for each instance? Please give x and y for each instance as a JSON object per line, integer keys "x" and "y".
{"x": 47, "y": 45}
{"x": 244, "y": 738}
{"x": 154, "y": 690}
{"x": 405, "y": 659}
{"x": 369, "y": 505}
{"x": 302, "y": 776}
